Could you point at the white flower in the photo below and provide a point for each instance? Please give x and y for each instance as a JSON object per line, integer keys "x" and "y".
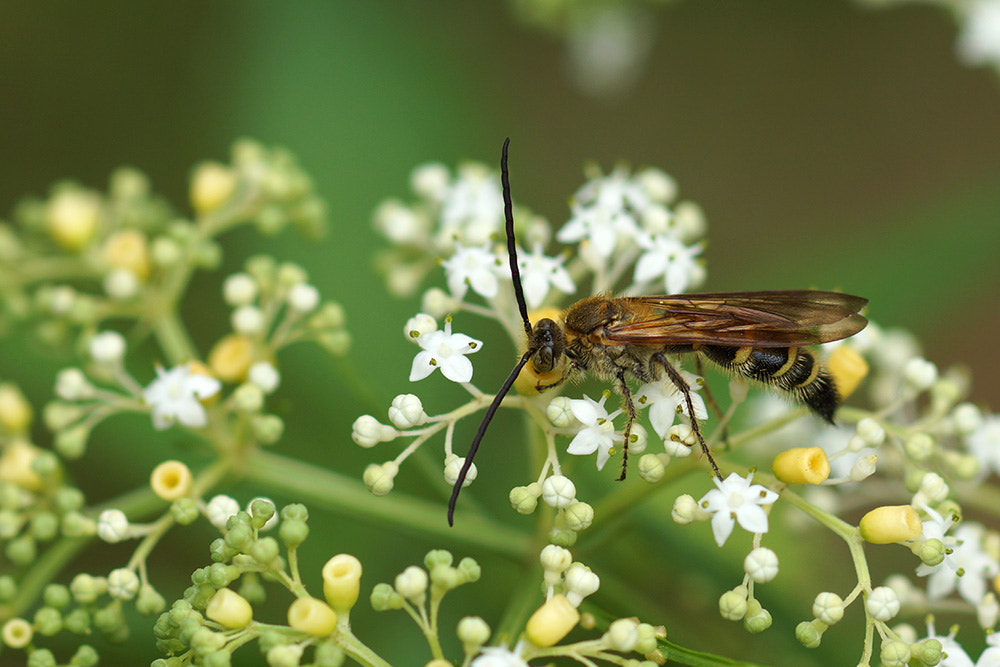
{"x": 174, "y": 396}
{"x": 472, "y": 209}
{"x": 472, "y": 267}
{"x": 666, "y": 256}
{"x": 967, "y": 557}
{"x": 956, "y": 655}
{"x": 540, "y": 273}
{"x": 444, "y": 350}
{"x": 500, "y": 656}
{"x": 600, "y": 227}
{"x": 663, "y": 398}
{"x": 984, "y": 443}
{"x": 979, "y": 41}
{"x": 598, "y": 432}
{"x": 736, "y": 499}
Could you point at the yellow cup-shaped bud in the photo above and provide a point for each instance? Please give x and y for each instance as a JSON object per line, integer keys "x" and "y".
{"x": 528, "y": 379}
{"x": 891, "y": 523}
{"x": 342, "y": 582}
{"x": 801, "y": 465}
{"x": 312, "y": 616}
{"x": 230, "y": 609}
{"x": 848, "y": 369}
{"x": 16, "y": 633}
{"x": 231, "y": 358}
{"x": 15, "y": 411}
{"x": 551, "y": 622}
{"x": 72, "y": 218}
{"x": 15, "y": 465}
{"x": 171, "y": 480}
{"x": 128, "y": 249}
{"x": 212, "y": 184}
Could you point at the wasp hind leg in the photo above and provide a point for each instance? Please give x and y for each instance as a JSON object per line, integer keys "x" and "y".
{"x": 713, "y": 405}
{"x": 683, "y": 387}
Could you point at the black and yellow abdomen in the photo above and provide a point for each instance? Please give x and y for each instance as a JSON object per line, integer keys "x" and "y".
{"x": 793, "y": 370}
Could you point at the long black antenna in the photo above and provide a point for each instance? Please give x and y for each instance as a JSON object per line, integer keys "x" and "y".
{"x": 508, "y": 214}
{"x": 515, "y": 273}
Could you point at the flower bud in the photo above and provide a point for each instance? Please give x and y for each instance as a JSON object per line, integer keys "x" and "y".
{"x": 112, "y": 526}
{"x": 231, "y": 358}
{"x": 578, "y": 516}
{"x": 891, "y": 523}
{"x": 919, "y": 373}
{"x": 212, "y": 185}
{"x": 623, "y": 635}
{"x": 15, "y": 411}
{"x": 560, "y": 413}
{"x": 523, "y": 499}
{"x": 312, "y": 617}
{"x": 16, "y": 633}
{"x": 558, "y": 491}
{"x": 551, "y": 622}
{"x": 863, "y": 468}
{"x": 930, "y": 552}
{"x": 761, "y": 564}
{"x": 882, "y": 604}
{"x": 453, "y": 468}
{"x": 810, "y": 633}
{"x": 802, "y": 465}
{"x": 894, "y": 653}
{"x": 406, "y": 412}
{"x": 757, "y": 619}
{"x": 652, "y": 467}
{"x": 368, "y": 431}
{"x": 379, "y": 478}
{"x": 229, "y": 609}
{"x": 928, "y": 652}
{"x": 580, "y": 582}
{"x": 72, "y": 217}
{"x": 828, "y": 608}
{"x": 473, "y": 632}
{"x": 412, "y": 583}
{"x": 733, "y": 604}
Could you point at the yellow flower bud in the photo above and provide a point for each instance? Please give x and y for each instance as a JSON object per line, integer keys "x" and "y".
{"x": 312, "y": 617}
{"x": 801, "y": 465}
{"x": 15, "y": 411}
{"x": 342, "y": 582}
{"x": 891, "y": 523}
{"x": 231, "y": 358}
{"x": 551, "y": 622}
{"x": 212, "y": 184}
{"x": 528, "y": 379}
{"x": 15, "y": 465}
{"x": 128, "y": 249}
{"x": 230, "y": 609}
{"x": 16, "y": 633}
{"x": 171, "y": 480}
{"x": 72, "y": 218}
{"x": 848, "y": 369}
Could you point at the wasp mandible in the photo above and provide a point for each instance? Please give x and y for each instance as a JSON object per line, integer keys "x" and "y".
{"x": 759, "y": 335}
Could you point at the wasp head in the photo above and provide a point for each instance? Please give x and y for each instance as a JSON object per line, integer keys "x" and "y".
{"x": 548, "y": 343}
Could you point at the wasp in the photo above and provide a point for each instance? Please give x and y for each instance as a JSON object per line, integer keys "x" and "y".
{"x": 759, "y": 335}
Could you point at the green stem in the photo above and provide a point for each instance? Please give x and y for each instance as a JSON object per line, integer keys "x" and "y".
{"x": 350, "y": 497}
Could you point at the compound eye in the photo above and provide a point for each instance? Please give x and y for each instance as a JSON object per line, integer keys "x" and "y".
{"x": 542, "y": 360}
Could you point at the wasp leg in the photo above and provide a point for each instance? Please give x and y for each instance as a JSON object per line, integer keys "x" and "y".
{"x": 630, "y": 408}
{"x": 679, "y": 382}
{"x": 713, "y": 405}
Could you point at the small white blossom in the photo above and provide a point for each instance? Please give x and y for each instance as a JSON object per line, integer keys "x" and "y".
{"x": 598, "y": 432}
{"x": 664, "y": 398}
{"x": 920, "y": 373}
{"x": 601, "y": 228}
{"x": 984, "y": 443}
{"x": 220, "y": 508}
{"x": 430, "y": 180}
{"x": 368, "y": 431}
{"x": 444, "y": 350}
{"x": 453, "y": 468}
{"x": 539, "y": 274}
{"x": 499, "y": 656}
{"x": 472, "y": 267}
{"x": 967, "y": 568}
{"x": 112, "y": 526}
{"x": 107, "y": 347}
{"x": 175, "y": 395}
{"x": 472, "y": 207}
{"x": 979, "y": 40}
{"x": 736, "y": 499}
{"x": 121, "y": 284}
{"x": 247, "y": 320}
{"x": 666, "y": 256}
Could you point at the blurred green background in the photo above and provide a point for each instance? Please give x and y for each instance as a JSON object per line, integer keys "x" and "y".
{"x": 830, "y": 146}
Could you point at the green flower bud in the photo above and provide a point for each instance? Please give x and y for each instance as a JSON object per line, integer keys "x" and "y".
{"x": 77, "y": 622}
{"x": 579, "y": 516}
{"x": 48, "y": 621}
{"x": 21, "y": 550}
{"x": 220, "y": 658}
{"x": 109, "y": 619}
{"x": 220, "y": 551}
{"x": 293, "y": 532}
{"x": 647, "y": 639}
{"x": 828, "y": 608}
{"x": 473, "y": 632}
{"x": 68, "y": 499}
{"x": 149, "y": 602}
{"x": 205, "y": 641}
{"x": 733, "y": 604}
{"x": 894, "y": 653}
{"x": 523, "y": 500}
{"x": 239, "y": 536}
{"x": 930, "y": 552}
{"x": 252, "y": 589}
{"x": 384, "y": 598}
{"x": 41, "y": 657}
{"x": 185, "y": 511}
{"x": 56, "y": 595}
{"x": 75, "y": 524}
{"x": 8, "y": 588}
{"x": 469, "y": 570}
{"x": 652, "y": 467}
{"x": 284, "y": 655}
{"x": 757, "y": 619}
{"x": 220, "y": 576}
{"x": 928, "y": 652}
{"x": 810, "y": 633}
{"x": 85, "y": 656}
{"x": 328, "y": 654}
{"x": 267, "y": 429}
{"x": 265, "y": 551}
{"x": 86, "y": 589}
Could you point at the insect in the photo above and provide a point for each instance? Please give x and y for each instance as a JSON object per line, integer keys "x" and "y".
{"x": 759, "y": 335}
